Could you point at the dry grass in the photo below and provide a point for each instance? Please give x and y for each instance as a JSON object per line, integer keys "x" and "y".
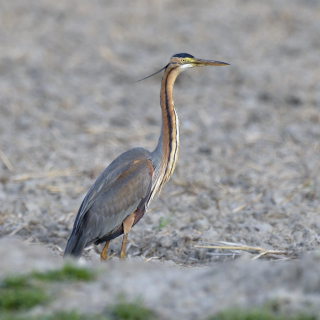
{"x": 236, "y": 248}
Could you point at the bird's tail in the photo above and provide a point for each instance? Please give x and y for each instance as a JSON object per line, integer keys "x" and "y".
{"x": 75, "y": 245}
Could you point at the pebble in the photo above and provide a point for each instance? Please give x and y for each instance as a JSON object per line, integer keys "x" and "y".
{"x": 203, "y": 201}
{"x": 201, "y": 224}
{"x": 165, "y": 241}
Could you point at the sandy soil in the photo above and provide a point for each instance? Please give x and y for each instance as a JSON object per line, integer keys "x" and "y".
{"x": 248, "y": 171}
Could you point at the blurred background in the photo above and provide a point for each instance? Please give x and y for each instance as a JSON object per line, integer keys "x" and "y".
{"x": 248, "y": 169}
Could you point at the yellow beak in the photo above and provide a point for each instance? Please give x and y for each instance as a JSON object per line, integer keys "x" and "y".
{"x": 202, "y": 63}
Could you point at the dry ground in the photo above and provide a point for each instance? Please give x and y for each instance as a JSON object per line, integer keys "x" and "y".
{"x": 248, "y": 171}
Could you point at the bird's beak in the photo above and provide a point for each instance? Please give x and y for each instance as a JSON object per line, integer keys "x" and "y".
{"x": 202, "y": 63}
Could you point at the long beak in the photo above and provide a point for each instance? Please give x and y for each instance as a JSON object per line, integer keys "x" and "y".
{"x": 202, "y": 63}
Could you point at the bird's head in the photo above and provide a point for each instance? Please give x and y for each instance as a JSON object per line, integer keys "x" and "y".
{"x": 182, "y": 61}
{"x": 186, "y": 60}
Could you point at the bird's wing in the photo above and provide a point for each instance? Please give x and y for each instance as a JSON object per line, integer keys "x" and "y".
{"x": 108, "y": 177}
{"x": 111, "y": 208}
{"x": 117, "y": 193}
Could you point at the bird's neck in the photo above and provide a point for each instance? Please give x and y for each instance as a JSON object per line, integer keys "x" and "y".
{"x": 167, "y": 149}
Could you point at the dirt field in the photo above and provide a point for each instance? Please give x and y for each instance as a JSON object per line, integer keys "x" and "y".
{"x": 249, "y": 163}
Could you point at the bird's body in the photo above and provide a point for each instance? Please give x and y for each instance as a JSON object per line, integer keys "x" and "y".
{"x": 122, "y": 188}
{"x": 119, "y": 197}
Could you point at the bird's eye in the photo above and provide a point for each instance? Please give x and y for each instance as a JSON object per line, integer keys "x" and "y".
{"x": 183, "y": 60}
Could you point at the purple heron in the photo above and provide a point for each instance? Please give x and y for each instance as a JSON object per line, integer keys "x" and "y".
{"x": 121, "y": 194}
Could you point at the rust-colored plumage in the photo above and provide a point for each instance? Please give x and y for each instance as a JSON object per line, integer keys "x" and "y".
{"x": 119, "y": 197}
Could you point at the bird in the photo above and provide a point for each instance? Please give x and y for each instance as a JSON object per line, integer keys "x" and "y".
{"x": 122, "y": 193}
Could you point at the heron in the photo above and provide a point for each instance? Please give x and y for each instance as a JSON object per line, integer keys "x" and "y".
{"x": 120, "y": 196}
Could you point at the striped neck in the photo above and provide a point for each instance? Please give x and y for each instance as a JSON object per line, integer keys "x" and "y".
{"x": 166, "y": 152}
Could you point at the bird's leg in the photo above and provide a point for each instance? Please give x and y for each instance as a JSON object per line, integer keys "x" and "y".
{"x": 123, "y": 246}
{"x": 104, "y": 255}
{"x": 127, "y": 224}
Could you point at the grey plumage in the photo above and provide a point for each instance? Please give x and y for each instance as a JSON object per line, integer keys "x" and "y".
{"x": 103, "y": 210}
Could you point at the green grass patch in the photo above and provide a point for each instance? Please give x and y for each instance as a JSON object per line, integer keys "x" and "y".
{"x": 21, "y": 293}
{"x": 67, "y": 273}
{"x": 57, "y": 316}
{"x": 9, "y": 316}
{"x": 131, "y": 311}
{"x": 73, "y": 315}
{"x": 24, "y": 292}
{"x": 255, "y": 314}
{"x": 163, "y": 222}
{"x": 18, "y": 293}
{"x": 120, "y": 311}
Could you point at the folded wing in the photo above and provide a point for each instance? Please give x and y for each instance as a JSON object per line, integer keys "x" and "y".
{"x": 121, "y": 189}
